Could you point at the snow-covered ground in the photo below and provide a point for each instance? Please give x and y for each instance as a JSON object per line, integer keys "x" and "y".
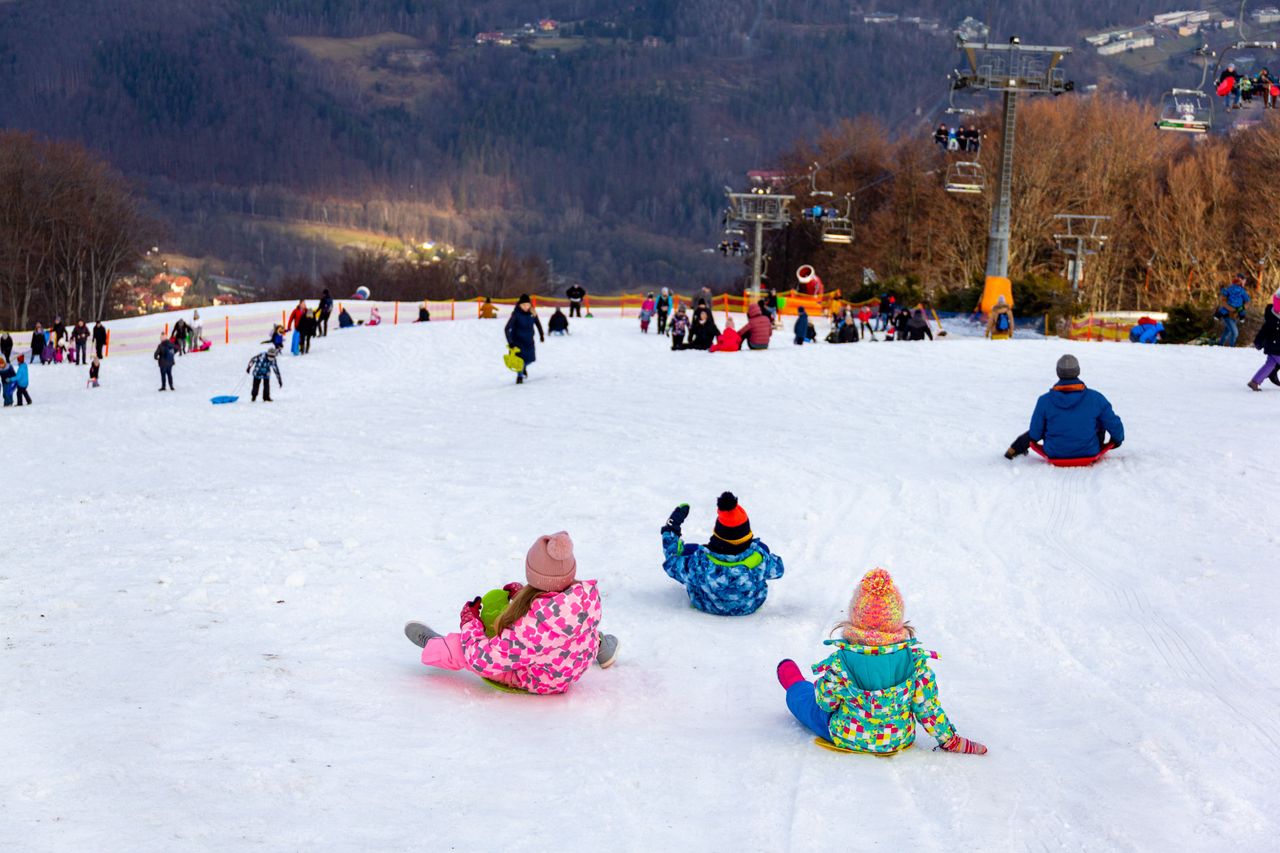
{"x": 201, "y": 606}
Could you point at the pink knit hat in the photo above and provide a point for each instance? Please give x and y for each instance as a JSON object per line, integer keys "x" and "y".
{"x": 550, "y": 564}
{"x": 875, "y": 613}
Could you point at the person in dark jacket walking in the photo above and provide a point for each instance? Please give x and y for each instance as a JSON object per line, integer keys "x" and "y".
{"x": 918, "y": 327}
{"x": 703, "y": 331}
{"x": 576, "y": 294}
{"x": 519, "y": 331}
{"x": 99, "y": 339}
{"x": 165, "y": 356}
{"x": 1268, "y": 340}
{"x": 38, "y": 340}
{"x": 80, "y": 336}
{"x": 6, "y": 346}
{"x": 326, "y": 308}
{"x": 1071, "y": 420}
{"x": 885, "y": 313}
{"x": 307, "y": 327}
{"x": 262, "y": 366}
{"x": 802, "y": 326}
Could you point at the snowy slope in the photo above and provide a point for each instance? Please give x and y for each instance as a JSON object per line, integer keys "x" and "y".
{"x": 202, "y": 606}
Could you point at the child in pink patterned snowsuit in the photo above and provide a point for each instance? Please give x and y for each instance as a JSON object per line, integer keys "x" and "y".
{"x": 545, "y": 638}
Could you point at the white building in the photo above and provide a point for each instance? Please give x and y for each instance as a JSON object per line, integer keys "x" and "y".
{"x": 1269, "y": 15}
{"x": 1126, "y": 45}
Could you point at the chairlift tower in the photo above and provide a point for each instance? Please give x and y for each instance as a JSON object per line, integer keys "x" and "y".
{"x": 1013, "y": 69}
{"x": 763, "y": 209}
{"x": 1083, "y": 237}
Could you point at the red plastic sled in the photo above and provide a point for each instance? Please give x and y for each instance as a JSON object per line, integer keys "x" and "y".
{"x": 1225, "y": 87}
{"x": 1081, "y": 462}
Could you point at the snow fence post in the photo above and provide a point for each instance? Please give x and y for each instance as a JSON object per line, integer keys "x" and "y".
{"x": 166, "y": 330}
{"x": 226, "y": 339}
{"x": 283, "y": 321}
{"x": 106, "y": 350}
{"x": 395, "y": 317}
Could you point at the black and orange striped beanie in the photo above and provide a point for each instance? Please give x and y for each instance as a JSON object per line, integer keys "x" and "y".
{"x": 733, "y": 529}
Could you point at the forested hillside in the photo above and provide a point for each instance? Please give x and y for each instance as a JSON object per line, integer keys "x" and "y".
{"x": 271, "y": 133}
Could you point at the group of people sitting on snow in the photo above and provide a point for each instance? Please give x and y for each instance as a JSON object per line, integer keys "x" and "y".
{"x": 958, "y": 138}
{"x": 868, "y": 693}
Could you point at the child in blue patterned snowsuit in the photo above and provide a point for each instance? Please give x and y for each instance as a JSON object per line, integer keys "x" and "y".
{"x": 727, "y": 576}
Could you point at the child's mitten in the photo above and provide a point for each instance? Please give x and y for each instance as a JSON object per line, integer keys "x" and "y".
{"x": 678, "y": 515}
{"x": 964, "y": 745}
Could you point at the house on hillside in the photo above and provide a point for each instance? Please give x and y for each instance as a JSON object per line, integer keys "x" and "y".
{"x": 1269, "y": 15}
{"x": 498, "y": 38}
{"x": 880, "y": 18}
{"x": 652, "y": 41}
{"x": 172, "y": 287}
{"x": 548, "y": 25}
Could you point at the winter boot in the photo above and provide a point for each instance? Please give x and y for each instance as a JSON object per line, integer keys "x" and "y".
{"x": 1254, "y": 386}
{"x": 608, "y": 650}
{"x": 418, "y": 633}
{"x": 788, "y": 673}
{"x": 1275, "y": 376}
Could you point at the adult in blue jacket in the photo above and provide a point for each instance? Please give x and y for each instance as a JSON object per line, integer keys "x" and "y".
{"x": 728, "y": 575}
{"x": 519, "y": 331}
{"x": 1231, "y": 311}
{"x": 1071, "y": 421}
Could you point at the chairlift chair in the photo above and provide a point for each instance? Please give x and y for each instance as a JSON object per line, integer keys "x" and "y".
{"x": 966, "y": 178}
{"x": 1186, "y": 111}
{"x": 838, "y": 229}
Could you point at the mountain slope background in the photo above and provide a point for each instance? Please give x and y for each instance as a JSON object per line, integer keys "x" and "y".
{"x": 271, "y": 134}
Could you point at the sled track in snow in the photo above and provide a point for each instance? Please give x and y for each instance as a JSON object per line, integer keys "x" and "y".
{"x": 1177, "y": 653}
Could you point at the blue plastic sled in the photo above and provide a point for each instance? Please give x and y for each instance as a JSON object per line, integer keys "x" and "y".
{"x": 223, "y": 400}
{"x": 295, "y": 346}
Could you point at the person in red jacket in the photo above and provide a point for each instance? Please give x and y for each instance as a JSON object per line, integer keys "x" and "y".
{"x": 758, "y": 329}
{"x": 864, "y": 321}
{"x": 296, "y": 315}
{"x": 729, "y": 340}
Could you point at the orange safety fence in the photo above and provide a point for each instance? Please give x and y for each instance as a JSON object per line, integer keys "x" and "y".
{"x": 1091, "y": 328}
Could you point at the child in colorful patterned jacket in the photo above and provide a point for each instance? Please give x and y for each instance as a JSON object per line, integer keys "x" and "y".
{"x": 875, "y": 686}
{"x": 728, "y": 575}
{"x": 538, "y": 638}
